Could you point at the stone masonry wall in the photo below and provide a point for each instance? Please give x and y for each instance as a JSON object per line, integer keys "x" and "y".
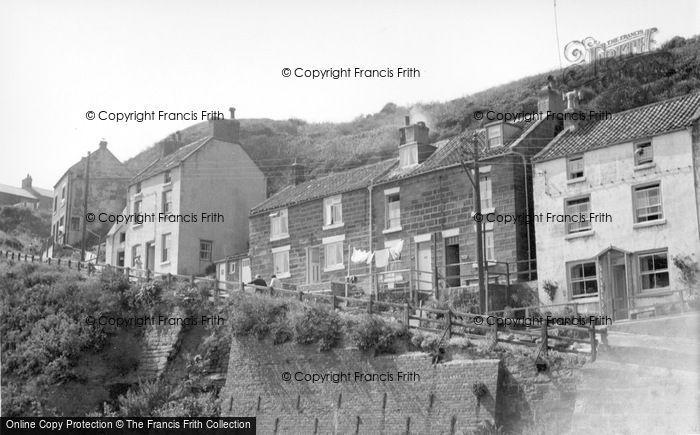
{"x": 441, "y": 401}
{"x": 160, "y": 344}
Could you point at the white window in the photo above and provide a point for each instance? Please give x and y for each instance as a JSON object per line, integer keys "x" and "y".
{"x": 333, "y": 211}
{"x": 278, "y": 225}
{"x": 393, "y": 211}
{"x": 574, "y": 167}
{"x": 583, "y": 279}
{"x": 165, "y": 248}
{"x": 137, "y": 207}
{"x": 495, "y": 136}
{"x": 647, "y": 203}
{"x": 643, "y": 153}
{"x": 167, "y": 177}
{"x": 333, "y": 256}
{"x": 280, "y": 261}
{"x": 653, "y": 270}
{"x": 136, "y": 257}
{"x": 408, "y": 156}
{"x": 485, "y": 192}
{"x": 168, "y": 201}
{"x": 575, "y": 210}
{"x": 489, "y": 246}
{"x": 205, "y": 250}
{"x": 232, "y": 267}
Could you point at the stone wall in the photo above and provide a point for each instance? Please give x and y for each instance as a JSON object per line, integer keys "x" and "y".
{"x": 439, "y": 399}
{"x": 161, "y": 342}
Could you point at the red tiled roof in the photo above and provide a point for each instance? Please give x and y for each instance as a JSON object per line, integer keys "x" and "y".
{"x": 333, "y": 184}
{"x": 650, "y": 120}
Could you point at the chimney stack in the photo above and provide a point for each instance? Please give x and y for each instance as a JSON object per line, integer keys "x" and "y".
{"x": 171, "y": 144}
{"x": 407, "y": 120}
{"x": 27, "y": 183}
{"x": 572, "y": 99}
{"x": 103, "y": 144}
{"x": 549, "y": 98}
{"x": 226, "y": 130}
{"x": 297, "y": 174}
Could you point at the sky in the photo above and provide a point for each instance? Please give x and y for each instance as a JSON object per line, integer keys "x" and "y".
{"x": 63, "y": 59}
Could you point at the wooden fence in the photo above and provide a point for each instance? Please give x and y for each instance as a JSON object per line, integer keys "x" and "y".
{"x": 447, "y": 322}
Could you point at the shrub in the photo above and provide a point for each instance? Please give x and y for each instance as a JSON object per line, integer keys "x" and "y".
{"x": 201, "y": 405}
{"x": 142, "y": 401}
{"x": 255, "y": 315}
{"x": 422, "y": 340}
{"x": 375, "y": 333}
{"x": 318, "y": 325}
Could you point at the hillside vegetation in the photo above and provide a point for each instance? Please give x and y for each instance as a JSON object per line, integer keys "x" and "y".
{"x": 614, "y": 85}
{"x": 24, "y": 229}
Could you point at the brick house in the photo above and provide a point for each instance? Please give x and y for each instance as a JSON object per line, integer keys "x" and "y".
{"x": 419, "y": 206}
{"x": 637, "y": 170}
{"x": 26, "y": 196}
{"x": 108, "y": 178}
{"x": 195, "y": 200}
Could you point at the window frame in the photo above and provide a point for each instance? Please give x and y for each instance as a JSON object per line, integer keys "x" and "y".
{"x": 164, "y": 202}
{"x": 165, "y": 247}
{"x": 584, "y": 279}
{"x": 281, "y": 252}
{"x": 486, "y": 179}
{"x": 637, "y": 156}
{"x": 74, "y": 227}
{"x": 232, "y": 267}
{"x": 569, "y": 173}
{"x": 329, "y": 205}
{"x": 210, "y": 251}
{"x": 569, "y": 225}
{"x": 283, "y": 216}
{"x": 408, "y": 156}
{"x": 137, "y": 210}
{"x": 635, "y": 202}
{"x": 641, "y": 274}
{"x": 391, "y": 198}
{"x": 135, "y": 249}
{"x": 497, "y": 138}
{"x": 339, "y": 254}
{"x": 167, "y": 176}
{"x": 489, "y": 234}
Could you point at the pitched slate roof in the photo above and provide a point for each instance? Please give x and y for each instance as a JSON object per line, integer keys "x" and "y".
{"x": 17, "y": 191}
{"x": 645, "y": 121}
{"x": 332, "y": 184}
{"x": 451, "y": 153}
{"x": 170, "y": 161}
{"x": 43, "y": 192}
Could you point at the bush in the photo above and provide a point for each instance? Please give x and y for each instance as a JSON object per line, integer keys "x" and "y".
{"x": 142, "y": 401}
{"x": 318, "y": 325}
{"x": 374, "y": 333}
{"x": 426, "y": 341}
{"x": 255, "y": 315}
{"x": 201, "y": 405}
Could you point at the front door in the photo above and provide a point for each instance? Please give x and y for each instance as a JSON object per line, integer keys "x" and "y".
{"x": 150, "y": 256}
{"x": 619, "y": 288}
{"x": 313, "y": 265}
{"x": 246, "y": 275}
{"x": 222, "y": 276}
{"x": 424, "y": 266}
{"x": 452, "y": 272}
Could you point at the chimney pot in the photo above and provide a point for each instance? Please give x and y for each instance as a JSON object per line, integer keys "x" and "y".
{"x": 232, "y": 110}
{"x": 407, "y": 120}
{"x": 103, "y": 144}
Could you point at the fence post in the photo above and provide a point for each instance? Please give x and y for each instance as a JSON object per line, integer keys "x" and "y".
{"x": 301, "y": 296}
{"x": 32, "y": 258}
{"x": 69, "y": 263}
{"x": 242, "y": 286}
{"x": 369, "y": 305}
{"x": 545, "y": 338}
{"x": 148, "y": 275}
{"x": 334, "y": 302}
{"x": 594, "y": 351}
{"x": 448, "y": 320}
{"x": 128, "y": 272}
{"x": 406, "y": 318}
{"x": 49, "y": 260}
{"x": 13, "y": 255}
{"x": 192, "y": 279}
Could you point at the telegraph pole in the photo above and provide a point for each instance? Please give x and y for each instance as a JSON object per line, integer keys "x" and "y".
{"x": 475, "y": 180}
{"x": 85, "y": 206}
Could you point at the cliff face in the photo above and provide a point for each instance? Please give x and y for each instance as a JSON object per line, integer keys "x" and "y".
{"x": 359, "y": 394}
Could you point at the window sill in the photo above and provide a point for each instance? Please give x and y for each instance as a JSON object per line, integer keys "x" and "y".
{"x": 649, "y": 223}
{"x": 644, "y": 166}
{"x": 579, "y": 235}
{"x": 136, "y": 226}
{"x": 485, "y": 211}
{"x": 167, "y": 184}
{"x": 281, "y": 237}
{"x": 138, "y": 195}
{"x": 283, "y": 275}
{"x": 333, "y": 226}
{"x": 588, "y": 299}
{"x": 334, "y": 268}
{"x": 165, "y": 263}
{"x": 391, "y": 230}
{"x": 488, "y": 263}
{"x": 656, "y": 293}
{"x": 576, "y": 180}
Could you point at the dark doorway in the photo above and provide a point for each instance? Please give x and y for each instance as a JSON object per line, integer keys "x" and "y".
{"x": 452, "y": 262}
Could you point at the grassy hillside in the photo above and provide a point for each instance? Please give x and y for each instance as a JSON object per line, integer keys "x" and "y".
{"x": 23, "y": 229}
{"x": 672, "y": 70}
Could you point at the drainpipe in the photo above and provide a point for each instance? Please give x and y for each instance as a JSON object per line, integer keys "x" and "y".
{"x": 527, "y": 212}
{"x": 369, "y": 235}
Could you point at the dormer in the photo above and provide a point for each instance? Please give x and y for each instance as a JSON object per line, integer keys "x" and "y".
{"x": 413, "y": 144}
{"x": 499, "y": 132}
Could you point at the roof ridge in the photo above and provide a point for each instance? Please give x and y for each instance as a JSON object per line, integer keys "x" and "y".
{"x": 666, "y": 101}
